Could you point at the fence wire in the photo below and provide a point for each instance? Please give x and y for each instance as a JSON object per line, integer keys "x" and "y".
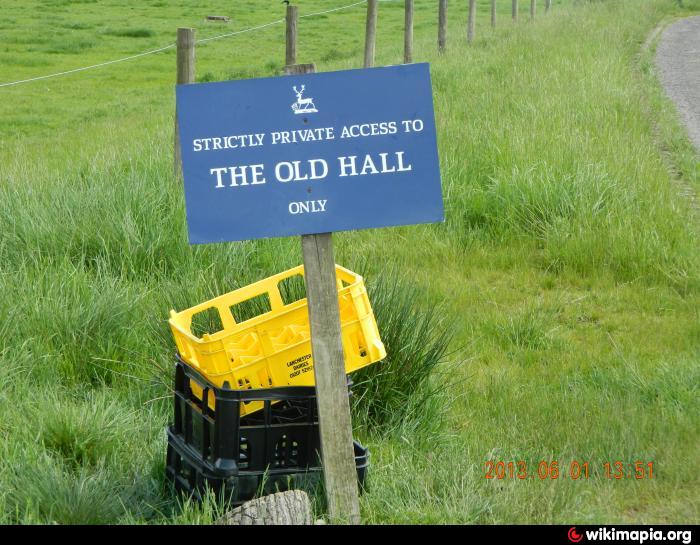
{"x": 172, "y": 45}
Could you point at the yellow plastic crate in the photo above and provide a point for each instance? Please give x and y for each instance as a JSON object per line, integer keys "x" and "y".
{"x": 274, "y": 348}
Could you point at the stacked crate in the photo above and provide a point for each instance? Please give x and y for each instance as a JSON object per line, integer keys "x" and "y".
{"x": 245, "y": 416}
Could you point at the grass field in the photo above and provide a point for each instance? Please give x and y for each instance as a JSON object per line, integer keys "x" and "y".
{"x": 567, "y": 272}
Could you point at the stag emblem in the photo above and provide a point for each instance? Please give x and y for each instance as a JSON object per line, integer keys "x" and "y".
{"x": 303, "y": 105}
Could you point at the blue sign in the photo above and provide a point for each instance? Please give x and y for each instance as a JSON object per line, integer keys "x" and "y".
{"x": 311, "y": 153}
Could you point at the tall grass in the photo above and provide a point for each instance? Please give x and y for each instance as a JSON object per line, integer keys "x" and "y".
{"x": 401, "y": 391}
{"x": 588, "y": 200}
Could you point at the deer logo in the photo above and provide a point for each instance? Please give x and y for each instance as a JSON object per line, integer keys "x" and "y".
{"x": 303, "y": 105}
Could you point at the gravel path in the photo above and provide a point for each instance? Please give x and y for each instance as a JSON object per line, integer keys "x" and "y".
{"x": 678, "y": 59}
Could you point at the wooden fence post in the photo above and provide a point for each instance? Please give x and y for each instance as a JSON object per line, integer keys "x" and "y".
{"x": 472, "y": 21}
{"x": 515, "y": 10}
{"x": 408, "y": 32}
{"x": 339, "y": 471}
{"x": 493, "y": 13}
{"x": 370, "y": 32}
{"x": 442, "y": 26}
{"x": 185, "y": 74}
{"x": 533, "y": 7}
{"x": 292, "y": 18}
{"x": 547, "y": 5}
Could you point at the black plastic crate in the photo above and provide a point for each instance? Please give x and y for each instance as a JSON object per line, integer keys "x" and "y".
{"x": 278, "y": 445}
{"x": 192, "y": 477}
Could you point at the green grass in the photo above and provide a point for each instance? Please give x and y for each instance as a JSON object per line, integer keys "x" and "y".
{"x": 567, "y": 271}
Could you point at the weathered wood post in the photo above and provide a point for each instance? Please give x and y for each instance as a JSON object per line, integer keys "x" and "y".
{"x": 442, "y": 26}
{"x": 408, "y": 32}
{"x": 185, "y": 74}
{"x": 292, "y": 18}
{"x": 547, "y": 5}
{"x": 493, "y": 13}
{"x": 370, "y": 32}
{"x": 514, "y": 9}
{"x": 339, "y": 472}
{"x": 471, "y": 25}
{"x": 533, "y": 7}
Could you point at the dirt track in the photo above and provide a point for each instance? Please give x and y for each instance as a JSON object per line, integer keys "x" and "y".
{"x": 678, "y": 59}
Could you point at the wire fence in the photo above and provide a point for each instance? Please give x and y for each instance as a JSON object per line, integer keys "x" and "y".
{"x": 172, "y": 45}
{"x": 407, "y": 46}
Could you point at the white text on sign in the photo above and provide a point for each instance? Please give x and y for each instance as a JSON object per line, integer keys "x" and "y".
{"x": 313, "y": 169}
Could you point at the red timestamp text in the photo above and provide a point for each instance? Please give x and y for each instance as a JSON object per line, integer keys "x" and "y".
{"x": 574, "y": 470}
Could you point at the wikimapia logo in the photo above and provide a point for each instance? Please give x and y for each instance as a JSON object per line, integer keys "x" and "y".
{"x": 629, "y": 535}
{"x": 573, "y": 535}
{"x": 303, "y": 105}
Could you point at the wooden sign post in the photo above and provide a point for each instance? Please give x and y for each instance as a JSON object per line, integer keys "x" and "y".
{"x": 340, "y": 474}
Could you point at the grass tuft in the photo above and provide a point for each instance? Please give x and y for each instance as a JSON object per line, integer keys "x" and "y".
{"x": 528, "y": 330}
{"x": 399, "y": 389}
{"x": 70, "y": 46}
{"x": 83, "y": 433}
{"x": 56, "y": 495}
{"x": 130, "y": 32}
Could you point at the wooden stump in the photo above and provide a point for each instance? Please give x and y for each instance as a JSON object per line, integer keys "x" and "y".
{"x": 282, "y": 509}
